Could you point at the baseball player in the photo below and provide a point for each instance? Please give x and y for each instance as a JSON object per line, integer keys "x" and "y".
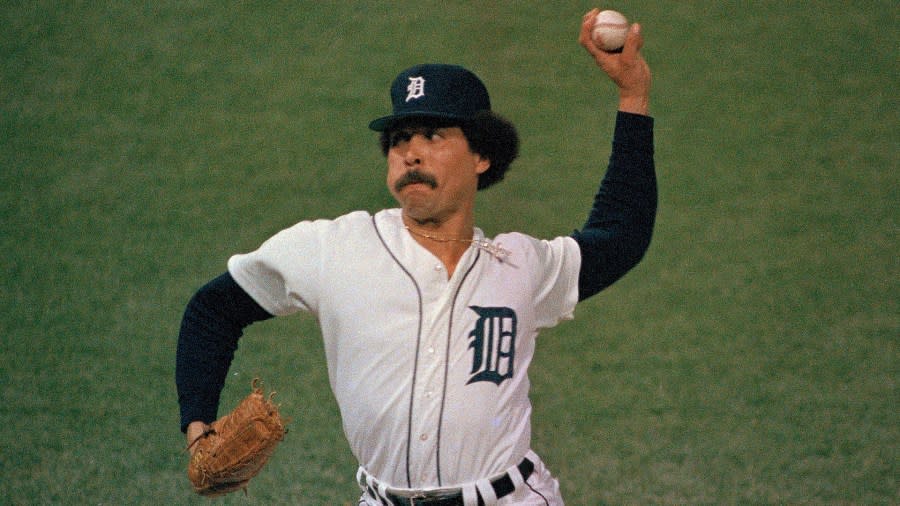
{"x": 429, "y": 326}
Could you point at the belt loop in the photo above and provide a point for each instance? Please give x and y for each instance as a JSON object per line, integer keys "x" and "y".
{"x": 382, "y": 494}
{"x": 470, "y": 495}
{"x": 530, "y": 455}
{"x": 486, "y": 489}
{"x": 361, "y": 477}
{"x": 516, "y": 477}
{"x": 375, "y": 489}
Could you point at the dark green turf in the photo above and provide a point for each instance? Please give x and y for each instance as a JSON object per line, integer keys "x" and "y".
{"x": 751, "y": 358}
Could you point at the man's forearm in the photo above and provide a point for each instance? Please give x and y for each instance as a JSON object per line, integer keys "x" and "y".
{"x": 620, "y": 224}
{"x": 212, "y": 324}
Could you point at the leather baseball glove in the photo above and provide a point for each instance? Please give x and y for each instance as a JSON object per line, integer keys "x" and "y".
{"x": 236, "y": 446}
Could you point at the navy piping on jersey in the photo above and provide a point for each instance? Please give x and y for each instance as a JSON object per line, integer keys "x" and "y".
{"x": 447, "y": 365}
{"x": 412, "y": 390}
{"x": 614, "y": 238}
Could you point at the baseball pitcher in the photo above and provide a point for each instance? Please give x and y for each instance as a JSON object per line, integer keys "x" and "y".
{"x": 429, "y": 326}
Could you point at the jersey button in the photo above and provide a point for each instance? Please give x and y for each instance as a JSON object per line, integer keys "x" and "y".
{"x": 424, "y": 437}
{"x": 438, "y": 267}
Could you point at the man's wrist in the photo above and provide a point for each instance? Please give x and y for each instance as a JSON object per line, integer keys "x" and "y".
{"x": 635, "y": 104}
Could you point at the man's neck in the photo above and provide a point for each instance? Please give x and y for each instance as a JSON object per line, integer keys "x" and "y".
{"x": 448, "y": 241}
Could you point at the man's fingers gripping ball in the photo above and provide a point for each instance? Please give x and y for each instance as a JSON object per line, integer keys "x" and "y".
{"x": 609, "y": 31}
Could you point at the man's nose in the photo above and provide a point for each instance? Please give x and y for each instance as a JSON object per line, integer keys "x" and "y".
{"x": 415, "y": 150}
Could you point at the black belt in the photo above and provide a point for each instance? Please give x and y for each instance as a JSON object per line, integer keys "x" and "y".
{"x": 503, "y": 486}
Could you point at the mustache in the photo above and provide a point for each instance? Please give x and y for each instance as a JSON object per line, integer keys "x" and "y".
{"x": 415, "y": 176}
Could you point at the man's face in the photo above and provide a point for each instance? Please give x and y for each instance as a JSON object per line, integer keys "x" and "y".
{"x": 432, "y": 172}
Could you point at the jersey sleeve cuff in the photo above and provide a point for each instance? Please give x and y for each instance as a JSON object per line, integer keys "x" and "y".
{"x": 237, "y": 267}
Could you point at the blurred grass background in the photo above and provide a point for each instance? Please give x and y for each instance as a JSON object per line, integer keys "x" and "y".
{"x": 751, "y": 358}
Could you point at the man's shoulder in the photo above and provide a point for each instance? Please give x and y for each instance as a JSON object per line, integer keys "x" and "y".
{"x": 534, "y": 247}
{"x": 524, "y": 239}
{"x": 355, "y": 217}
{"x": 350, "y": 219}
{"x": 361, "y": 216}
{"x": 353, "y": 226}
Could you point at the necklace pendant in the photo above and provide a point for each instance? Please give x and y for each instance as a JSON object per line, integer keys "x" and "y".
{"x": 495, "y": 250}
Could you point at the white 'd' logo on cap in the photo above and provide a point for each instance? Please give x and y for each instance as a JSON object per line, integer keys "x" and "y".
{"x": 416, "y": 88}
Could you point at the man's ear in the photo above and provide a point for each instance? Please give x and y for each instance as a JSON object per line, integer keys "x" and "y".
{"x": 482, "y": 165}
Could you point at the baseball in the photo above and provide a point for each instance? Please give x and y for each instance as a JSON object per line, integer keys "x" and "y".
{"x": 610, "y": 28}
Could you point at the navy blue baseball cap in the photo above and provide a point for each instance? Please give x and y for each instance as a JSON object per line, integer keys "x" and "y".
{"x": 435, "y": 91}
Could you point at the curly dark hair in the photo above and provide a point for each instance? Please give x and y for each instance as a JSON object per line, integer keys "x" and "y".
{"x": 489, "y": 134}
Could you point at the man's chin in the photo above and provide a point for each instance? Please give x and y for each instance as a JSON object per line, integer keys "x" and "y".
{"x": 419, "y": 215}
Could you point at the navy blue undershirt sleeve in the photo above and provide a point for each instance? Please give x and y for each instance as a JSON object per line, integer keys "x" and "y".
{"x": 619, "y": 227}
{"x": 213, "y": 322}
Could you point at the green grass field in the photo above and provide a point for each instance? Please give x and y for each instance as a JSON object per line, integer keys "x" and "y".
{"x": 752, "y": 358}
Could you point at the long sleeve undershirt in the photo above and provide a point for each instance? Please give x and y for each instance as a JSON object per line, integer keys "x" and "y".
{"x": 213, "y": 322}
{"x": 614, "y": 238}
{"x": 619, "y": 227}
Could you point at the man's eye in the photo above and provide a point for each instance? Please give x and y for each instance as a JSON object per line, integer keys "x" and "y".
{"x": 401, "y": 136}
{"x": 398, "y": 137}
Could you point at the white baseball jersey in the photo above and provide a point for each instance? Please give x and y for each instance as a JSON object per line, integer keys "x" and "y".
{"x": 430, "y": 373}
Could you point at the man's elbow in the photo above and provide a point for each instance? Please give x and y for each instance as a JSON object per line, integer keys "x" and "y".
{"x": 600, "y": 271}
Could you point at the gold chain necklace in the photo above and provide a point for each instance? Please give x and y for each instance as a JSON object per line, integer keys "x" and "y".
{"x": 496, "y": 250}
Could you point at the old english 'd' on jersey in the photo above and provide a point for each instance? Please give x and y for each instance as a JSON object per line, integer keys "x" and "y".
{"x": 430, "y": 373}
